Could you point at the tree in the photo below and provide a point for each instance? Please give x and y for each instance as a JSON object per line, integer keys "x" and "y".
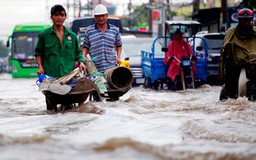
{"x": 3, "y": 50}
{"x": 140, "y": 15}
{"x": 249, "y": 4}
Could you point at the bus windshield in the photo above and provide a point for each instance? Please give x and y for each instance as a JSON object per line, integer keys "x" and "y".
{"x": 23, "y": 45}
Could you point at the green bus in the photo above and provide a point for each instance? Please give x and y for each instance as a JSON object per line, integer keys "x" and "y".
{"x": 23, "y": 42}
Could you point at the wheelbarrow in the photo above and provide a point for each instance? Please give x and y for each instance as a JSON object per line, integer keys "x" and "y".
{"x": 68, "y": 91}
{"x": 71, "y": 99}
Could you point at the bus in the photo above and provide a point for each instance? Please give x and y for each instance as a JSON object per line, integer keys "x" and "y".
{"x": 23, "y": 42}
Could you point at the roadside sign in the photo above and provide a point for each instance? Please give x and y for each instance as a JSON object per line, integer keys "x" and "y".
{"x": 157, "y": 16}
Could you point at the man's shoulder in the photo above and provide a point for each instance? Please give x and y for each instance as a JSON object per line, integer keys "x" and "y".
{"x": 47, "y": 30}
{"x": 231, "y": 29}
{"x": 113, "y": 27}
{"x": 90, "y": 28}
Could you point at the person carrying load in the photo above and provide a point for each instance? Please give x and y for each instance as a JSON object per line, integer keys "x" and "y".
{"x": 102, "y": 42}
{"x": 57, "y": 48}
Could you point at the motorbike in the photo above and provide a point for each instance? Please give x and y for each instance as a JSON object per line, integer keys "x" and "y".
{"x": 246, "y": 84}
{"x": 186, "y": 71}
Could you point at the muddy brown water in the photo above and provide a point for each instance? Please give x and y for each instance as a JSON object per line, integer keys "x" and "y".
{"x": 144, "y": 124}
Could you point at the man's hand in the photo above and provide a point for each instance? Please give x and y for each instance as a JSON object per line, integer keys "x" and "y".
{"x": 82, "y": 67}
{"x": 169, "y": 61}
{"x": 40, "y": 71}
{"x": 118, "y": 60}
{"x": 193, "y": 58}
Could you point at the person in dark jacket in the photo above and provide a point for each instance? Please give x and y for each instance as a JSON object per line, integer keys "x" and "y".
{"x": 238, "y": 50}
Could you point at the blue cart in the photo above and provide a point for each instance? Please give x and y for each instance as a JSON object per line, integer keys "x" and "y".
{"x": 153, "y": 68}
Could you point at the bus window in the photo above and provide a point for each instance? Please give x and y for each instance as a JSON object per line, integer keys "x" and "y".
{"x": 24, "y": 46}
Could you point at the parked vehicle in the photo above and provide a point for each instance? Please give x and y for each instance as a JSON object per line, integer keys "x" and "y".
{"x": 132, "y": 48}
{"x": 153, "y": 68}
{"x": 214, "y": 43}
{"x": 79, "y": 25}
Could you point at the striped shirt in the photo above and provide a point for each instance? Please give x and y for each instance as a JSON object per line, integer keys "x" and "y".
{"x": 102, "y": 46}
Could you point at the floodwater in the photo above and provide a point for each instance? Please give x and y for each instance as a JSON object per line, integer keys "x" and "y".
{"x": 145, "y": 125}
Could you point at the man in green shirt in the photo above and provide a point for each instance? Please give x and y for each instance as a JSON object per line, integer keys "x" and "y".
{"x": 58, "y": 48}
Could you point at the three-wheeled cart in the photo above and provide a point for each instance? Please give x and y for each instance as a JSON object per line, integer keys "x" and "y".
{"x": 153, "y": 68}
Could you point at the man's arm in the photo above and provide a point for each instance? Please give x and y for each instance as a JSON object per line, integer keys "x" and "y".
{"x": 40, "y": 67}
{"x": 118, "y": 52}
{"x": 85, "y": 52}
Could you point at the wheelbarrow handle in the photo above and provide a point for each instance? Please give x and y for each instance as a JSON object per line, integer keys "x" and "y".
{"x": 70, "y": 76}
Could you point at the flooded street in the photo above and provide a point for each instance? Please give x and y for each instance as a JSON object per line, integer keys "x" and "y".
{"x": 145, "y": 125}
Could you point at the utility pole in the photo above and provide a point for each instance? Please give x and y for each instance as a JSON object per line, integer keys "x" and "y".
{"x": 150, "y": 17}
{"x": 92, "y": 7}
{"x": 129, "y": 9}
{"x": 47, "y": 10}
{"x": 80, "y": 8}
{"x": 67, "y": 8}
{"x": 77, "y": 8}
{"x": 74, "y": 9}
{"x": 168, "y": 10}
{"x": 223, "y": 14}
{"x": 196, "y": 4}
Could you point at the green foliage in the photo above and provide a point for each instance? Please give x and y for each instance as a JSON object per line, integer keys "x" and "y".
{"x": 140, "y": 15}
{"x": 3, "y": 50}
{"x": 249, "y": 4}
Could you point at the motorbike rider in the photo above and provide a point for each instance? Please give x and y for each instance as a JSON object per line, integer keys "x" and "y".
{"x": 177, "y": 49}
{"x": 238, "y": 51}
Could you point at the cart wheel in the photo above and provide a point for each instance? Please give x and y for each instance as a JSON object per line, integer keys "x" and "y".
{"x": 50, "y": 106}
{"x": 198, "y": 83}
{"x": 147, "y": 83}
{"x": 155, "y": 85}
{"x": 223, "y": 94}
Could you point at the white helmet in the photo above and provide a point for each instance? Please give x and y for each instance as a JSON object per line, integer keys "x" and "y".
{"x": 99, "y": 10}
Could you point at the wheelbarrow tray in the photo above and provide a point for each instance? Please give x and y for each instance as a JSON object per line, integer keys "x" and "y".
{"x": 53, "y": 99}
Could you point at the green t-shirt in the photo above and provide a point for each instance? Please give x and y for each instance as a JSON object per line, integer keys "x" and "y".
{"x": 58, "y": 59}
